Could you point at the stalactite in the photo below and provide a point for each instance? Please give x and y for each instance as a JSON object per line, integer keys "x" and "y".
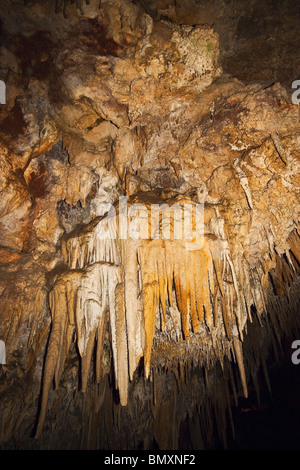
{"x": 226, "y": 388}
{"x": 150, "y": 293}
{"x": 138, "y": 283}
{"x": 55, "y": 354}
{"x": 294, "y": 243}
{"x": 244, "y": 183}
{"x": 239, "y": 358}
{"x": 78, "y": 301}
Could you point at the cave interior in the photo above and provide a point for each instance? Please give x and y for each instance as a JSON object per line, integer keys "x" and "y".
{"x": 149, "y": 225}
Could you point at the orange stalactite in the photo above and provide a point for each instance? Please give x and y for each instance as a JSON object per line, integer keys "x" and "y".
{"x": 193, "y": 304}
{"x": 130, "y": 282}
{"x": 163, "y": 288}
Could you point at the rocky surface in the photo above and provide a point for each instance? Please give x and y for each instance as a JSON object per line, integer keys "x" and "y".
{"x": 124, "y": 99}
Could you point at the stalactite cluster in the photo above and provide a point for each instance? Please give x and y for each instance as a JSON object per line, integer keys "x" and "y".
{"x": 149, "y": 218}
{"x": 134, "y": 282}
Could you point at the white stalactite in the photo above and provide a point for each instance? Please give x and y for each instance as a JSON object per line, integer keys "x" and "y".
{"x": 243, "y": 182}
{"x": 135, "y": 280}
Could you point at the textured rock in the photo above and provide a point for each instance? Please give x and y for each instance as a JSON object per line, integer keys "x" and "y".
{"x": 109, "y": 102}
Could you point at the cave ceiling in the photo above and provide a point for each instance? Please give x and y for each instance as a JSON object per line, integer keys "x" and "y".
{"x": 114, "y": 109}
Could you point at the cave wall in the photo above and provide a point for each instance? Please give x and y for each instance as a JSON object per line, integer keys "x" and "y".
{"x": 120, "y": 342}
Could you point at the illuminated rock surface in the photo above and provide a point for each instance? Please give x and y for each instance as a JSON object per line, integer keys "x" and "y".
{"x": 142, "y": 337}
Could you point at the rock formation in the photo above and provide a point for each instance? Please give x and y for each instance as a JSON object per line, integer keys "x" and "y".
{"x": 149, "y": 218}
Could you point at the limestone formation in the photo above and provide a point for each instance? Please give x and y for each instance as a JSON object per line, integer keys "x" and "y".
{"x": 149, "y": 221}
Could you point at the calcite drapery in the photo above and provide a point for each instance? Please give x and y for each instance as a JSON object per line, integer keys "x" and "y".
{"x": 107, "y": 101}
{"x": 134, "y": 279}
